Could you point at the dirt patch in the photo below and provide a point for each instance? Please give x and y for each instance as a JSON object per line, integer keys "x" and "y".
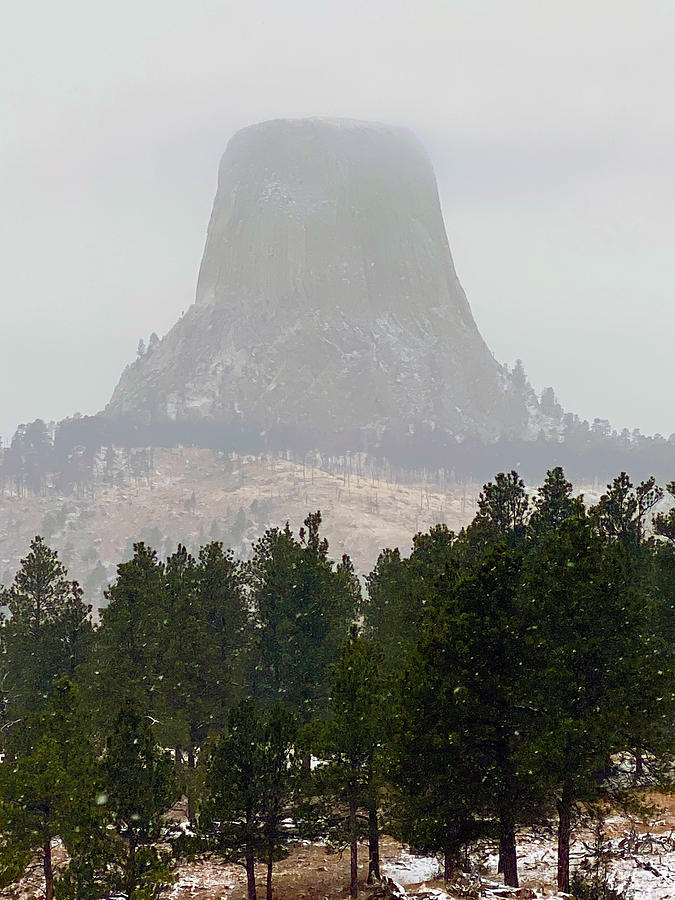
{"x": 310, "y": 872}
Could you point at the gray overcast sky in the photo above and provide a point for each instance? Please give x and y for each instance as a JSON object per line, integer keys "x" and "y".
{"x": 550, "y": 125}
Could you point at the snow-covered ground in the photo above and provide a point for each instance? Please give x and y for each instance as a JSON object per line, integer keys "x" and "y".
{"x": 641, "y": 863}
{"x": 407, "y": 868}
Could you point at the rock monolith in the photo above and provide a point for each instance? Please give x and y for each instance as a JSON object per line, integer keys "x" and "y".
{"x": 327, "y": 297}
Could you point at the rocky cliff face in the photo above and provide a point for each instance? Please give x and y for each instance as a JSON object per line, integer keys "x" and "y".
{"x": 327, "y": 296}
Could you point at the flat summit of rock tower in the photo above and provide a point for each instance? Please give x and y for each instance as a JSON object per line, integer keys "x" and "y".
{"x": 327, "y": 299}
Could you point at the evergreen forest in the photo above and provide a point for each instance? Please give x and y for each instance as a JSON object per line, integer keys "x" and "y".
{"x": 519, "y": 673}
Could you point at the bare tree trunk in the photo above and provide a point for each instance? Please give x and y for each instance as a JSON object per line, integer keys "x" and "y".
{"x": 449, "y": 863}
{"x": 639, "y": 765}
{"x": 250, "y": 877}
{"x": 190, "y": 785}
{"x": 131, "y": 868}
{"x": 48, "y": 870}
{"x": 564, "y": 830}
{"x": 373, "y": 841}
{"x": 353, "y": 845}
{"x": 507, "y": 825}
{"x": 269, "y": 879}
{"x": 507, "y": 845}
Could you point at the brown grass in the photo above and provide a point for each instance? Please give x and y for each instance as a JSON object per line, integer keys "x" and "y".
{"x": 310, "y": 872}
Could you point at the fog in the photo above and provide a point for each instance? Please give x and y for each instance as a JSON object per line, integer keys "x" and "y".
{"x": 550, "y": 127}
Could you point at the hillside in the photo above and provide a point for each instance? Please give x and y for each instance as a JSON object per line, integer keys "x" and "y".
{"x": 197, "y": 495}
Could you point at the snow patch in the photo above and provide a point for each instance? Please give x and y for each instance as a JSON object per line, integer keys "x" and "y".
{"x": 411, "y": 869}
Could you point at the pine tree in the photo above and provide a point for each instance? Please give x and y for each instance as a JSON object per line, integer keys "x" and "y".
{"x": 29, "y": 458}
{"x": 185, "y": 662}
{"x": 202, "y": 648}
{"x": 398, "y": 591}
{"x": 47, "y": 634}
{"x": 592, "y": 662}
{"x": 47, "y": 786}
{"x": 660, "y": 676}
{"x": 303, "y": 607}
{"x": 434, "y": 807}
{"x": 549, "y": 405}
{"x": 503, "y": 508}
{"x": 281, "y": 768}
{"x": 222, "y": 597}
{"x": 553, "y": 505}
{"x": 463, "y": 713}
{"x": 128, "y": 643}
{"x": 621, "y": 518}
{"x": 251, "y": 773}
{"x": 350, "y": 743}
{"x": 139, "y": 788}
{"x": 621, "y": 513}
{"x": 664, "y": 523}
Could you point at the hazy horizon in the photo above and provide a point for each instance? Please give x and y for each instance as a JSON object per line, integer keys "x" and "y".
{"x": 550, "y": 130}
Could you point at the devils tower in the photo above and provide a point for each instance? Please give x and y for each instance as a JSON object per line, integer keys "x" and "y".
{"x": 327, "y": 297}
